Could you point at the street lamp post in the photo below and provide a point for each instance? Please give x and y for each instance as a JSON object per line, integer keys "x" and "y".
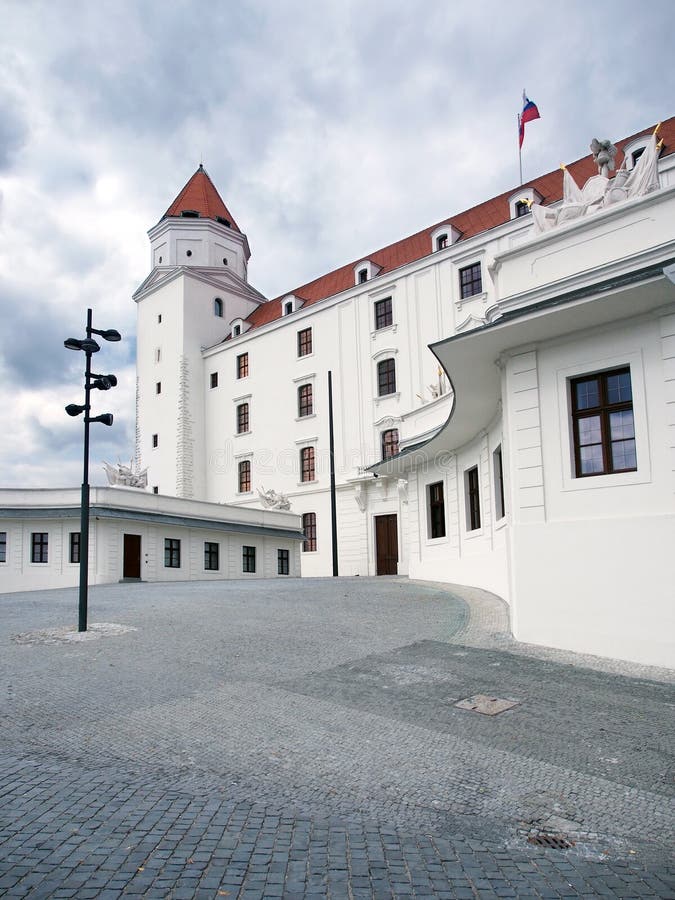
{"x": 102, "y": 383}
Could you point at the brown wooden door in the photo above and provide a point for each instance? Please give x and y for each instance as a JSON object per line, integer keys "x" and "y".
{"x": 131, "y": 567}
{"x": 386, "y": 545}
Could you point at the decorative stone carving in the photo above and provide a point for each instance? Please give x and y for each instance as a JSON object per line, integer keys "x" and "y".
{"x": 271, "y": 500}
{"x": 599, "y": 192}
{"x": 360, "y": 496}
{"x": 125, "y": 476}
{"x": 402, "y": 490}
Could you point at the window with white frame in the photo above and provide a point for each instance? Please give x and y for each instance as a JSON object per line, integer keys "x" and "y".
{"x": 436, "y": 507}
{"x": 470, "y": 281}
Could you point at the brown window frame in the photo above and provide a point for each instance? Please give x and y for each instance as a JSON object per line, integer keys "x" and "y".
{"x": 436, "y": 505}
{"x": 243, "y": 418}
{"x": 386, "y": 377}
{"x": 244, "y": 476}
{"x": 472, "y": 483}
{"x": 305, "y": 342}
{"x": 309, "y": 530}
{"x": 305, "y": 401}
{"x": 389, "y": 443}
{"x": 603, "y": 412}
{"x": 307, "y": 464}
{"x": 384, "y": 313}
{"x": 242, "y": 365}
{"x": 470, "y": 281}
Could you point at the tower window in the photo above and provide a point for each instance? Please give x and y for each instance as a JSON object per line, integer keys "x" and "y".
{"x": 309, "y": 530}
{"x": 305, "y": 400}
{"x": 189, "y": 213}
{"x": 245, "y": 476}
{"x": 307, "y": 468}
{"x": 386, "y": 377}
{"x": 223, "y": 221}
{"x": 155, "y": 440}
{"x": 218, "y": 307}
{"x": 214, "y": 379}
{"x": 389, "y": 443}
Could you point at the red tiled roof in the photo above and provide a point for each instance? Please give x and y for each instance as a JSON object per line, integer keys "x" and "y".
{"x": 200, "y": 195}
{"x": 469, "y": 223}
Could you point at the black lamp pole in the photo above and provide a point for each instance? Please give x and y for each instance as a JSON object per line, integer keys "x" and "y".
{"x": 103, "y": 383}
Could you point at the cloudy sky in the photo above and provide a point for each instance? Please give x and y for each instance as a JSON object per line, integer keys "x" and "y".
{"x": 331, "y": 128}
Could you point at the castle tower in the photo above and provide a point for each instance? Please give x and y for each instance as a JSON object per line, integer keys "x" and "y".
{"x": 197, "y": 287}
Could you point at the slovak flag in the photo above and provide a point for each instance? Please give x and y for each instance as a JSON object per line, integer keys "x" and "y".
{"x": 529, "y": 113}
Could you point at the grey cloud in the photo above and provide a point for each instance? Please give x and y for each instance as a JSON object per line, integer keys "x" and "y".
{"x": 13, "y": 132}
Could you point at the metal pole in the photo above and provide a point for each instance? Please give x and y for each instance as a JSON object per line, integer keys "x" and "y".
{"x": 84, "y": 500}
{"x": 333, "y": 498}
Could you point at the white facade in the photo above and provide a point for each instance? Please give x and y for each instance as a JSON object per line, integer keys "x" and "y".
{"x": 513, "y": 316}
{"x": 137, "y": 536}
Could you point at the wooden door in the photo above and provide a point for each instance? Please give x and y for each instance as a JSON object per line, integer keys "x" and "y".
{"x": 131, "y": 567}
{"x": 386, "y": 545}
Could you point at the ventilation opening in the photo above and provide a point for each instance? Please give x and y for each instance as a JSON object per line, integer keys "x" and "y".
{"x": 224, "y": 221}
{"x": 552, "y": 841}
{"x": 189, "y": 213}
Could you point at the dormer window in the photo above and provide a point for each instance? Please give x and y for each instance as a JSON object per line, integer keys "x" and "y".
{"x": 365, "y": 270}
{"x": 289, "y": 304}
{"x": 522, "y": 200}
{"x": 288, "y": 308}
{"x": 238, "y": 327}
{"x": 236, "y": 331}
{"x": 224, "y": 221}
{"x": 189, "y": 214}
{"x": 444, "y": 236}
{"x": 218, "y": 307}
{"x": 636, "y": 154}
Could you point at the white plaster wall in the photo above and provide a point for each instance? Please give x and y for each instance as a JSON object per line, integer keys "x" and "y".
{"x": 592, "y": 567}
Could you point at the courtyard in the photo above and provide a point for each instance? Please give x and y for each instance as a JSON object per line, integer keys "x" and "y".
{"x": 302, "y": 738}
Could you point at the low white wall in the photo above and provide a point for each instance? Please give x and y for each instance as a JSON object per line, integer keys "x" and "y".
{"x": 601, "y": 586}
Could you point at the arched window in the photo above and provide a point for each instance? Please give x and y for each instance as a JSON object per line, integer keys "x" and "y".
{"x": 441, "y": 241}
{"x": 386, "y": 377}
{"x": 218, "y": 307}
{"x": 288, "y": 308}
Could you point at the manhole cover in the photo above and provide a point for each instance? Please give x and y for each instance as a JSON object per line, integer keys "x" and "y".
{"x": 486, "y": 705}
{"x": 554, "y": 841}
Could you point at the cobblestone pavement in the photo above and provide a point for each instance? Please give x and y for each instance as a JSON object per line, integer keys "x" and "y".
{"x": 300, "y": 739}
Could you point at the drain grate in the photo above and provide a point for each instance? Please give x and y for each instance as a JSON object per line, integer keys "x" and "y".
{"x": 554, "y": 841}
{"x": 486, "y": 705}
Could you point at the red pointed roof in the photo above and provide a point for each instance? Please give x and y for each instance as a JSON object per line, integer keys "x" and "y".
{"x": 469, "y": 223}
{"x": 200, "y": 195}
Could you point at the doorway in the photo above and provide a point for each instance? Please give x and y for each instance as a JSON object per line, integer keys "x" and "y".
{"x": 386, "y": 545}
{"x": 131, "y": 566}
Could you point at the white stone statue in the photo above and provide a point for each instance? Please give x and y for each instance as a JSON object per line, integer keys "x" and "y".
{"x": 271, "y": 500}
{"x": 603, "y": 156}
{"x": 125, "y": 476}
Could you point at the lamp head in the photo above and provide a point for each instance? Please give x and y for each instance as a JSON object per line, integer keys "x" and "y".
{"x": 87, "y": 344}
{"x": 108, "y": 334}
{"x": 104, "y": 419}
{"x": 74, "y": 410}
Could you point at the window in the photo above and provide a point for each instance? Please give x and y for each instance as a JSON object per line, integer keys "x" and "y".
{"x": 158, "y": 387}
{"x": 155, "y": 489}
{"x": 171, "y": 553}
{"x": 242, "y": 365}
{"x": 74, "y": 547}
{"x": 472, "y": 487}
{"x": 39, "y": 547}
{"x": 159, "y": 317}
{"x": 305, "y": 400}
{"x": 242, "y": 418}
{"x": 305, "y": 342}
{"x": 603, "y": 426}
{"x": 218, "y": 307}
{"x": 3, "y": 546}
{"x": 244, "y": 476}
{"x": 155, "y": 440}
{"x": 436, "y": 510}
{"x": 309, "y": 530}
{"x": 389, "y": 443}
{"x": 470, "y": 281}
{"x": 522, "y": 208}
{"x": 636, "y": 154}
{"x": 214, "y": 379}
{"x": 441, "y": 241}
{"x": 307, "y": 471}
{"x": 236, "y": 331}
{"x": 282, "y": 562}
{"x": 248, "y": 559}
{"x": 158, "y": 354}
{"x": 383, "y": 313}
{"x": 500, "y": 506}
{"x": 211, "y": 554}
{"x": 288, "y": 308}
{"x": 386, "y": 377}
{"x": 363, "y": 275}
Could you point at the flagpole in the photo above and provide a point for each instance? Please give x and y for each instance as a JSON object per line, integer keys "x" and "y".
{"x": 520, "y": 152}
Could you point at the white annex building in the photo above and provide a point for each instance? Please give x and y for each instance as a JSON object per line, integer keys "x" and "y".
{"x": 503, "y": 388}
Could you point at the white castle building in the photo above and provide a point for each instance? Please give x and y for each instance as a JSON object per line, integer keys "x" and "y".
{"x": 503, "y": 395}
